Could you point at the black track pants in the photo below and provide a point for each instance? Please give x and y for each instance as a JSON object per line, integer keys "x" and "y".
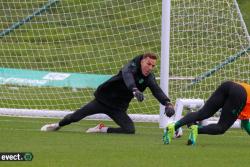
{"x": 230, "y": 97}
{"x": 121, "y": 118}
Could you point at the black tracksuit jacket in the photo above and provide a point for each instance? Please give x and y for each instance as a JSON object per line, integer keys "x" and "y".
{"x": 117, "y": 92}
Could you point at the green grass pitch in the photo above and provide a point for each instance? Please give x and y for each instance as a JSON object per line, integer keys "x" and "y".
{"x": 72, "y": 147}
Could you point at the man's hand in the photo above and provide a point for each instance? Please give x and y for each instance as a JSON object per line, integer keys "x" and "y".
{"x": 169, "y": 109}
{"x": 138, "y": 94}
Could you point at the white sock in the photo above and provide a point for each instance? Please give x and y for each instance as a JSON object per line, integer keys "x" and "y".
{"x": 57, "y": 124}
{"x": 104, "y": 129}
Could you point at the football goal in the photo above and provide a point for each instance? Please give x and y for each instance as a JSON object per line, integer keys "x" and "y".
{"x": 55, "y": 53}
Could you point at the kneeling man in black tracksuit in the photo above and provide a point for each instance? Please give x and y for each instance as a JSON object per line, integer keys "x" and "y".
{"x": 113, "y": 97}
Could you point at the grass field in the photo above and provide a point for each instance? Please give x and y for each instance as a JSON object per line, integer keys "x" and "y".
{"x": 244, "y": 7}
{"x": 66, "y": 41}
{"x": 72, "y": 147}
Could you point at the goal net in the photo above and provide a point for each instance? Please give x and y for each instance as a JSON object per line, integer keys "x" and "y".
{"x": 55, "y": 53}
{"x": 209, "y": 44}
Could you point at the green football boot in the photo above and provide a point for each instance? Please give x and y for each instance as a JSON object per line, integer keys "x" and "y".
{"x": 168, "y": 133}
{"x": 193, "y": 135}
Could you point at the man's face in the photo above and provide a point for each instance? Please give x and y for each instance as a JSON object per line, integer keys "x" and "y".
{"x": 147, "y": 65}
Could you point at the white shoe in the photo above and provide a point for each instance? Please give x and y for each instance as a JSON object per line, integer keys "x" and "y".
{"x": 50, "y": 127}
{"x": 178, "y": 133}
{"x": 97, "y": 129}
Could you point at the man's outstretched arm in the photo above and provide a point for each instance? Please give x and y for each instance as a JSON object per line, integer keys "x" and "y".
{"x": 157, "y": 91}
{"x": 127, "y": 74}
{"x": 161, "y": 97}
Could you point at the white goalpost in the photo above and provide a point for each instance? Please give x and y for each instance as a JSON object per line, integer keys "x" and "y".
{"x": 54, "y": 53}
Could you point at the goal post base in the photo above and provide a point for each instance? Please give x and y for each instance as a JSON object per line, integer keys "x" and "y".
{"x": 60, "y": 114}
{"x": 180, "y": 105}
